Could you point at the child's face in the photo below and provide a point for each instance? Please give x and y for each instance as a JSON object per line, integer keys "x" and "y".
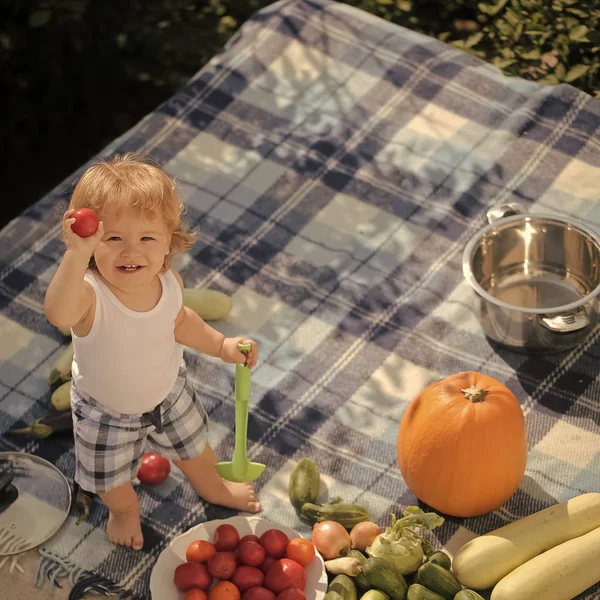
{"x": 132, "y": 250}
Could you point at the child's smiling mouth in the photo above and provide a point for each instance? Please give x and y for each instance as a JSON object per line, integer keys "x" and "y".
{"x": 129, "y": 268}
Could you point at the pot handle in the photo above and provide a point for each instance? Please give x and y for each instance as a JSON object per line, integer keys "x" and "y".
{"x": 501, "y": 211}
{"x": 567, "y": 322}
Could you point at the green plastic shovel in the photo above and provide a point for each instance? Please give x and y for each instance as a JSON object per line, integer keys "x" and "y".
{"x": 240, "y": 469}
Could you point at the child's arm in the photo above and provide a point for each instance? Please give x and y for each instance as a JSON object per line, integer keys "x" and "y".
{"x": 193, "y": 332}
{"x": 67, "y": 300}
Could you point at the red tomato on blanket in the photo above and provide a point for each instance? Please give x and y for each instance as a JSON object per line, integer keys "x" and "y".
{"x": 86, "y": 222}
{"x": 154, "y": 469}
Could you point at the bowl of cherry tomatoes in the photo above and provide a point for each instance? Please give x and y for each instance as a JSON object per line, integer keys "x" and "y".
{"x": 241, "y": 558}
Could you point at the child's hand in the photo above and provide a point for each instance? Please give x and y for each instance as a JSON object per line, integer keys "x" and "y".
{"x": 231, "y": 354}
{"x": 76, "y": 243}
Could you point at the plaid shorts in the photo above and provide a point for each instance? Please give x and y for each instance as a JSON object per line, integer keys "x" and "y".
{"x": 109, "y": 445}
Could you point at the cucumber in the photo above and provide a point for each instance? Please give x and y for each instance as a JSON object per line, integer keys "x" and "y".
{"x": 341, "y": 588}
{"x": 304, "y": 483}
{"x": 360, "y": 580}
{"x": 439, "y": 580}
{"x": 374, "y": 595}
{"x": 468, "y": 595}
{"x": 381, "y": 575}
{"x": 419, "y": 592}
{"x": 440, "y": 558}
{"x": 347, "y": 515}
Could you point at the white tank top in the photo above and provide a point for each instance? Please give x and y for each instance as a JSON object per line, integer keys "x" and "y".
{"x": 129, "y": 360}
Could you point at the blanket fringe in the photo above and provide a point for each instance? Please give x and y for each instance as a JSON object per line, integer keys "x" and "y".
{"x": 51, "y": 567}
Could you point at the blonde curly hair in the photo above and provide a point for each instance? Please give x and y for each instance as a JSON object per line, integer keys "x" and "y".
{"x": 133, "y": 181}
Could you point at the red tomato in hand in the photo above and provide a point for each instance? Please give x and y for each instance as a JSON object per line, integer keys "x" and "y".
{"x": 251, "y": 553}
{"x": 226, "y": 538}
{"x": 246, "y": 577}
{"x": 275, "y": 542}
{"x": 258, "y": 593}
{"x": 222, "y": 565}
{"x": 284, "y": 574}
{"x": 154, "y": 469}
{"x": 191, "y": 575}
{"x": 86, "y": 222}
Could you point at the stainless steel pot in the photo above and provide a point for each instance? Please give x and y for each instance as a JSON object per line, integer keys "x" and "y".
{"x": 536, "y": 277}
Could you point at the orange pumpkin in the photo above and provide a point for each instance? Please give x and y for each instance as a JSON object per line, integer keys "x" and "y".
{"x": 462, "y": 447}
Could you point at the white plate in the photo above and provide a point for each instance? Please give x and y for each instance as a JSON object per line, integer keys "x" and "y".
{"x": 161, "y": 578}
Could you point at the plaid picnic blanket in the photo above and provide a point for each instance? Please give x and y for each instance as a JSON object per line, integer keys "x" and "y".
{"x": 334, "y": 167}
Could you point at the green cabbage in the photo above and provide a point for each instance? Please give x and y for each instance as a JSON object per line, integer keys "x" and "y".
{"x": 400, "y": 544}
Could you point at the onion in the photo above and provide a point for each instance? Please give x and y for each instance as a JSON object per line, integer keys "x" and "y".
{"x": 330, "y": 539}
{"x": 363, "y": 534}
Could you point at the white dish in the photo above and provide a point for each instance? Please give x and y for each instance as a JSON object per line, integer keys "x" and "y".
{"x": 161, "y": 578}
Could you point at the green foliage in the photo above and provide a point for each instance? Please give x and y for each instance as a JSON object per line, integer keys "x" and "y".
{"x": 83, "y": 71}
{"x": 165, "y": 42}
{"x": 550, "y": 41}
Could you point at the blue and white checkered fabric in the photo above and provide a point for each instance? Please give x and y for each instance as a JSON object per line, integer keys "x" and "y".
{"x": 334, "y": 167}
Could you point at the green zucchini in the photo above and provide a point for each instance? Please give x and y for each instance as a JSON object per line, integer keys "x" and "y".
{"x": 419, "y": 592}
{"x": 374, "y": 595}
{"x": 441, "y": 558}
{"x": 347, "y": 515}
{"x": 439, "y": 580}
{"x": 341, "y": 588}
{"x": 467, "y": 595}
{"x": 304, "y": 483}
{"x": 382, "y": 576}
{"x": 360, "y": 580}
{"x": 412, "y": 578}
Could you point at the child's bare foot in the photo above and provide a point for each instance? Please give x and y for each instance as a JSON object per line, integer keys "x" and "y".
{"x": 124, "y": 528}
{"x": 234, "y": 495}
{"x": 208, "y": 484}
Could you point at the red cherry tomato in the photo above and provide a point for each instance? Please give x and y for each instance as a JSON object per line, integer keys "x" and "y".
{"x": 246, "y": 577}
{"x": 284, "y": 574}
{"x": 86, "y": 222}
{"x": 191, "y": 575}
{"x": 226, "y": 538}
{"x": 290, "y": 594}
{"x": 275, "y": 542}
{"x": 195, "y": 594}
{"x": 267, "y": 563}
{"x": 251, "y": 553}
{"x": 154, "y": 469}
{"x": 200, "y": 551}
{"x": 222, "y": 565}
{"x": 249, "y": 538}
{"x": 301, "y": 550}
{"x": 258, "y": 593}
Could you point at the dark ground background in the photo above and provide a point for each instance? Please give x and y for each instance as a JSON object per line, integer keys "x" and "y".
{"x": 75, "y": 74}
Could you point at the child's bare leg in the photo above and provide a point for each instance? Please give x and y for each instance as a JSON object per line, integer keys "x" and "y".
{"x": 124, "y": 525}
{"x": 208, "y": 484}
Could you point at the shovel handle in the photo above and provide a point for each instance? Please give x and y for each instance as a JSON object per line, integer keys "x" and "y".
{"x": 242, "y": 377}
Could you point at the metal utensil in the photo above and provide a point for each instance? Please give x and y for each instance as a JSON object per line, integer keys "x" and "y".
{"x": 35, "y": 501}
{"x": 240, "y": 469}
{"x": 536, "y": 278}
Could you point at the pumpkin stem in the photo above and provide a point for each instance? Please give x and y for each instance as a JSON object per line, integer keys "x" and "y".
{"x": 474, "y": 394}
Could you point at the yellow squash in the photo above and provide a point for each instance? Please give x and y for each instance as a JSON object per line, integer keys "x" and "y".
{"x": 560, "y": 573}
{"x": 485, "y": 560}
